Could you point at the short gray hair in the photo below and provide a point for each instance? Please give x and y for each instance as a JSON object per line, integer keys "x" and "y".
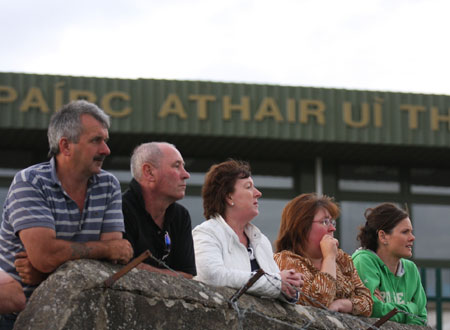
{"x": 146, "y": 153}
{"x": 67, "y": 123}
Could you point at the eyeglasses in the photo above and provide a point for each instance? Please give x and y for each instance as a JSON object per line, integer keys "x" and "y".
{"x": 167, "y": 243}
{"x": 327, "y": 222}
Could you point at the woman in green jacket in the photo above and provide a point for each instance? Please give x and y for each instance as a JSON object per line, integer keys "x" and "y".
{"x": 386, "y": 239}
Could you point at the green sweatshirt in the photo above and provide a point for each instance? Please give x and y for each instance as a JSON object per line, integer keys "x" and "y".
{"x": 403, "y": 291}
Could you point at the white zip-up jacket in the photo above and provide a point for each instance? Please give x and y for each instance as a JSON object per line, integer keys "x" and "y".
{"x": 222, "y": 260}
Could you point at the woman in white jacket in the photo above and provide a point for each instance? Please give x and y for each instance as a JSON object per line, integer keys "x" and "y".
{"x": 228, "y": 248}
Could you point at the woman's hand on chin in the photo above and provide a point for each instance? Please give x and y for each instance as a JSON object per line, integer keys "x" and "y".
{"x": 329, "y": 246}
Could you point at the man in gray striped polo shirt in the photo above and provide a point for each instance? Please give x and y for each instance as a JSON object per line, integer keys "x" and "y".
{"x": 67, "y": 208}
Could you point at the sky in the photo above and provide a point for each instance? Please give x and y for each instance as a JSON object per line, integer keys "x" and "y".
{"x": 387, "y": 45}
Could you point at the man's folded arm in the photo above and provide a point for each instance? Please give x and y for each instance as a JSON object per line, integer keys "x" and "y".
{"x": 46, "y": 252}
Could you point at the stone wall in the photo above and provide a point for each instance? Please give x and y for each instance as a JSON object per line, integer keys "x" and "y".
{"x": 74, "y": 297}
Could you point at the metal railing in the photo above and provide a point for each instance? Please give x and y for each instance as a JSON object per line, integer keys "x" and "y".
{"x": 438, "y": 298}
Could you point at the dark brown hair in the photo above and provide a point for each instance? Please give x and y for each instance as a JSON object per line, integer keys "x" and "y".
{"x": 383, "y": 217}
{"x": 219, "y": 182}
{"x": 297, "y": 218}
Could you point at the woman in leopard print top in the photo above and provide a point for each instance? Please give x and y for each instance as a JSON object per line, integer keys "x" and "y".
{"x": 306, "y": 243}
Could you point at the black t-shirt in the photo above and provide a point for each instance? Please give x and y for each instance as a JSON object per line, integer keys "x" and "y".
{"x": 143, "y": 233}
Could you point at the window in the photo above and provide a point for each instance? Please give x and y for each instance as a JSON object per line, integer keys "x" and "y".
{"x": 431, "y": 227}
{"x": 6, "y": 176}
{"x": 429, "y": 181}
{"x": 352, "y": 217}
{"x": 368, "y": 179}
{"x": 3, "y": 193}
{"x": 194, "y": 204}
{"x": 124, "y": 176}
{"x": 268, "y": 220}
